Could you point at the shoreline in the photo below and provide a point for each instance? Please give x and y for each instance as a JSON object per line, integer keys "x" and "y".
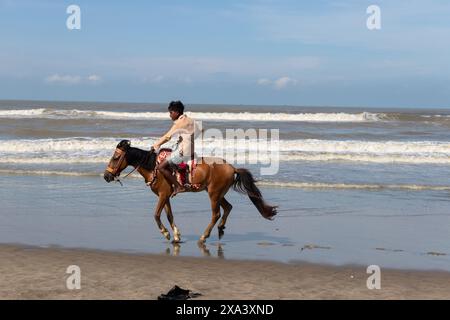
{"x": 29, "y": 272}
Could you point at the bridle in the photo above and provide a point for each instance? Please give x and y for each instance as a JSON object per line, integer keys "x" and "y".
{"x": 113, "y": 170}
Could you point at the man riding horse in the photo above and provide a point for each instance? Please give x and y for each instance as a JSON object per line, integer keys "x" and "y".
{"x": 184, "y": 126}
{"x": 213, "y": 175}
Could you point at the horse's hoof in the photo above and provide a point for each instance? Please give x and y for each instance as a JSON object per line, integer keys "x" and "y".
{"x": 176, "y": 235}
{"x": 221, "y": 232}
{"x": 202, "y": 239}
{"x": 166, "y": 234}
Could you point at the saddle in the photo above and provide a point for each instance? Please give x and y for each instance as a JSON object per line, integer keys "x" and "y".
{"x": 184, "y": 171}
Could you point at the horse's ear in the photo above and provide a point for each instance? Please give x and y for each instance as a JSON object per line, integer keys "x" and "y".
{"x": 124, "y": 144}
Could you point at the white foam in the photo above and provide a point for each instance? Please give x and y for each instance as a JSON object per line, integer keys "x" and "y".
{"x": 66, "y": 159}
{"x": 76, "y": 144}
{"x": 321, "y": 185}
{"x": 25, "y": 113}
{"x": 47, "y": 113}
{"x": 48, "y": 173}
{"x": 367, "y": 147}
{"x": 370, "y": 158}
{"x": 95, "y": 150}
{"x": 81, "y": 144}
{"x": 435, "y": 116}
{"x": 265, "y": 183}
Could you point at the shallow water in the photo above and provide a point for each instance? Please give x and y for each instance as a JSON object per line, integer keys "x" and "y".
{"x": 392, "y": 229}
{"x": 354, "y": 185}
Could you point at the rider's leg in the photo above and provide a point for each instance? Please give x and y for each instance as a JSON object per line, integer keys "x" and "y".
{"x": 164, "y": 168}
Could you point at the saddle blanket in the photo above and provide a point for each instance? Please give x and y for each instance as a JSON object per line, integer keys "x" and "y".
{"x": 184, "y": 171}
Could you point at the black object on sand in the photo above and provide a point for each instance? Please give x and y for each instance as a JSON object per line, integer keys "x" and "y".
{"x": 177, "y": 293}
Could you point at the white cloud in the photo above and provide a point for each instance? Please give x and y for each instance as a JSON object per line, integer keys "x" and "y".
{"x": 72, "y": 79}
{"x": 94, "y": 78}
{"x": 284, "y": 82}
{"x": 64, "y": 79}
{"x": 163, "y": 80}
{"x": 279, "y": 83}
{"x": 264, "y": 82}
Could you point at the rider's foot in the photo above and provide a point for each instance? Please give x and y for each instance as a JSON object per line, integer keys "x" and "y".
{"x": 178, "y": 190}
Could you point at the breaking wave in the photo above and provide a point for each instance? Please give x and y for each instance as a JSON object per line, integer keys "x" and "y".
{"x": 264, "y": 183}
{"x": 49, "y": 113}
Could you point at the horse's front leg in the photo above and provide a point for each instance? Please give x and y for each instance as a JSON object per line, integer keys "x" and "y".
{"x": 161, "y": 203}
{"x": 176, "y": 231}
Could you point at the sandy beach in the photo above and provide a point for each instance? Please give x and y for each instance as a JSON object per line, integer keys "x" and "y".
{"x": 40, "y": 273}
{"x": 335, "y": 123}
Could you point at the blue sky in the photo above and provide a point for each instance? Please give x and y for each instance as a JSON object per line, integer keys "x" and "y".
{"x": 314, "y": 53}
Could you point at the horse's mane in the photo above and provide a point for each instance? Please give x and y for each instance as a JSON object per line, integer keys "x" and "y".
{"x": 142, "y": 158}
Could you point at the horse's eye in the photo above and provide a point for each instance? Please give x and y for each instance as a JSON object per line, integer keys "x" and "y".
{"x": 116, "y": 157}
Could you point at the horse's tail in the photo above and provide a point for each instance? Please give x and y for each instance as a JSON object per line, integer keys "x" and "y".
{"x": 244, "y": 183}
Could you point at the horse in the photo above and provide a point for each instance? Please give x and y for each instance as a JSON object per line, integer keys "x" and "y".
{"x": 213, "y": 175}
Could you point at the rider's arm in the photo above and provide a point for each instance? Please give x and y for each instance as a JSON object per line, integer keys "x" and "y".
{"x": 167, "y": 136}
{"x": 162, "y": 140}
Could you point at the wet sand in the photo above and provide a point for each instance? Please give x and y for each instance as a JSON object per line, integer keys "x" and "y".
{"x": 40, "y": 273}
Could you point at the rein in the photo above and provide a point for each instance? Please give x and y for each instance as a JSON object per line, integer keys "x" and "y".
{"x": 120, "y": 182}
{"x": 137, "y": 167}
{"x": 122, "y": 154}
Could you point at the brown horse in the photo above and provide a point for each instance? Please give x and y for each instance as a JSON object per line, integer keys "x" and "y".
{"x": 212, "y": 174}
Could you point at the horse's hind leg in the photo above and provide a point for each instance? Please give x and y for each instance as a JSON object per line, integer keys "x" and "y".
{"x": 215, "y": 207}
{"x": 176, "y": 231}
{"x": 161, "y": 203}
{"x": 226, "y": 206}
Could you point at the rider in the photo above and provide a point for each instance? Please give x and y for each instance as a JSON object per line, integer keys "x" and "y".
{"x": 184, "y": 126}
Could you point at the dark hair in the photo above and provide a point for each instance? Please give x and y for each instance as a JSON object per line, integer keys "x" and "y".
{"x": 176, "y": 106}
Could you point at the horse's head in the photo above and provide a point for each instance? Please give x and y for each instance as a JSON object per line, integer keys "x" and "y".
{"x": 118, "y": 161}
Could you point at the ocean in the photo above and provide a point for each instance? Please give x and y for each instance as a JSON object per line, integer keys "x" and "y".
{"x": 353, "y": 185}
